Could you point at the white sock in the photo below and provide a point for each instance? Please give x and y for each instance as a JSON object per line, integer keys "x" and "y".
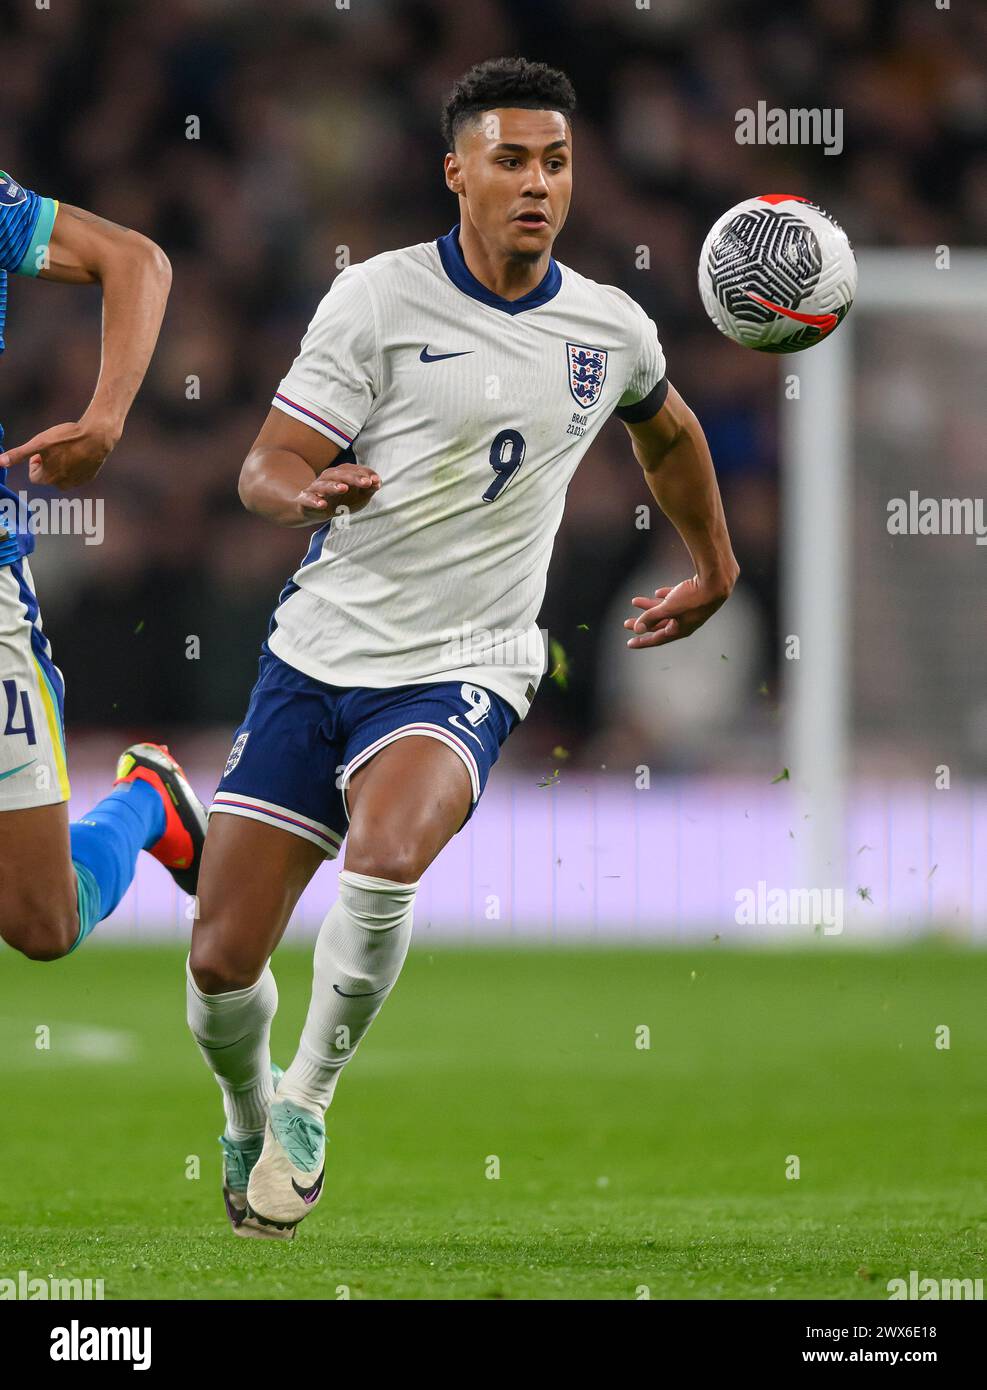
{"x": 234, "y": 1035}
{"x": 361, "y": 949}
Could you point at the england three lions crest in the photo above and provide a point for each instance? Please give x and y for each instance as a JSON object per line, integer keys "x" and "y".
{"x": 236, "y": 753}
{"x": 587, "y": 373}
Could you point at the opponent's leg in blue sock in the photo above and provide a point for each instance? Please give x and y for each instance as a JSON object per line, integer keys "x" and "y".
{"x": 105, "y": 846}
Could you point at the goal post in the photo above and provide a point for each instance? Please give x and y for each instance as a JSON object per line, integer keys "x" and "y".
{"x": 818, "y": 467}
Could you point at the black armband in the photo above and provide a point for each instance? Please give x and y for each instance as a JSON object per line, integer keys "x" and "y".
{"x": 639, "y": 411}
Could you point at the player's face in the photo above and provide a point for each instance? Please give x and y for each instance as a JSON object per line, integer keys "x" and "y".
{"x": 513, "y": 168}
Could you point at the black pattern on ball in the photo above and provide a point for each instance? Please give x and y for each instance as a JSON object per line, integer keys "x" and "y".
{"x": 771, "y": 253}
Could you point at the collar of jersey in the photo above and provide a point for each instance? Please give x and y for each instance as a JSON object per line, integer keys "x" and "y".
{"x": 454, "y": 265}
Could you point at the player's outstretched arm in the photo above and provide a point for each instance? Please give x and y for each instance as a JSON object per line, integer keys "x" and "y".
{"x": 135, "y": 275}
{"x": 672, "y": 450}
{"x": 289, "y": 478}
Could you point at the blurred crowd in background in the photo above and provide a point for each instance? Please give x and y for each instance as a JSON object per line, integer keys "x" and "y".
{"x": 317, "y": 128}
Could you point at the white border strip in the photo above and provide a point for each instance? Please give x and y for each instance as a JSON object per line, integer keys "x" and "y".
{"x": 407, "y": 731}
{"x": 306, "y": 416}
{"x": 280, "y": 817}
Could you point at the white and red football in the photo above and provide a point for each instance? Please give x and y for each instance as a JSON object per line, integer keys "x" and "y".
{"x": 777, "y": 273}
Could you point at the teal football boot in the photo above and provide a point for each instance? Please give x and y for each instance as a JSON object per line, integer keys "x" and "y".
{"x": 286, "y": 1181}
{"x": 239, "y": 1158}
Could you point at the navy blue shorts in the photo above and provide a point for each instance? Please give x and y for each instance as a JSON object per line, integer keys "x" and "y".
{"x": 302, "y": 740}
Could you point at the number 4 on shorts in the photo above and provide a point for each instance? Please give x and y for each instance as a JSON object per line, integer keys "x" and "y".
{"x": 11, "y": 693}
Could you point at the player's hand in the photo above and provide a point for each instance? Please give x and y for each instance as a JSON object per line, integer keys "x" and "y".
{"x": 347, "y": 483}
{"x": 66, "y": 455}
{"x": 679, "y": 610}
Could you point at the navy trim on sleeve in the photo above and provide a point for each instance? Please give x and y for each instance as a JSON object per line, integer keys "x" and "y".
{"x": 639, "y": 411}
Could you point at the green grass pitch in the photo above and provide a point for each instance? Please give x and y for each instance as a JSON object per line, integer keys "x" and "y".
{"x": 624, "y": 1171}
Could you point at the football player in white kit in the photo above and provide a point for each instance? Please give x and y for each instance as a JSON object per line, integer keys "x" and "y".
{"x": 429, "y": 426}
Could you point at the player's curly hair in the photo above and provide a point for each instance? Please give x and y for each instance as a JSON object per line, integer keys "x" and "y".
{"x": 506, "y": 82}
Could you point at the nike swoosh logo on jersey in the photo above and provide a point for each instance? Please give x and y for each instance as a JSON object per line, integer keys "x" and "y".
{"x": 454, "y": 719}
{"x": 427, "y": 356}
{"x": 16, "y": 769}
{"x": 368, "y": 994}
{"x": 824, "y": 322}
{"x": 309, "y": 1194}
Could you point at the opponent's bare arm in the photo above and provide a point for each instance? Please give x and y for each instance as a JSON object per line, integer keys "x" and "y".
{"x": 288, "y": 476}
{"x": 672, "y": 450}
{"x": 135, "y": 275}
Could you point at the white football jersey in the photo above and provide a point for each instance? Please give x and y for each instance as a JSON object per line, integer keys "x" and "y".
{"x": 474, "y": 410}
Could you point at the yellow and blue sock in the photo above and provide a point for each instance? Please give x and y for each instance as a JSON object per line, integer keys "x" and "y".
{"x": 105, "y": 845}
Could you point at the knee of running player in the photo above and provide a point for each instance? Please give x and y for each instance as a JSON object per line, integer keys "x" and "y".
{"x": 34, "y": 922}
{"x": 382, "y": 854}
{"x": 220, "y": 960}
